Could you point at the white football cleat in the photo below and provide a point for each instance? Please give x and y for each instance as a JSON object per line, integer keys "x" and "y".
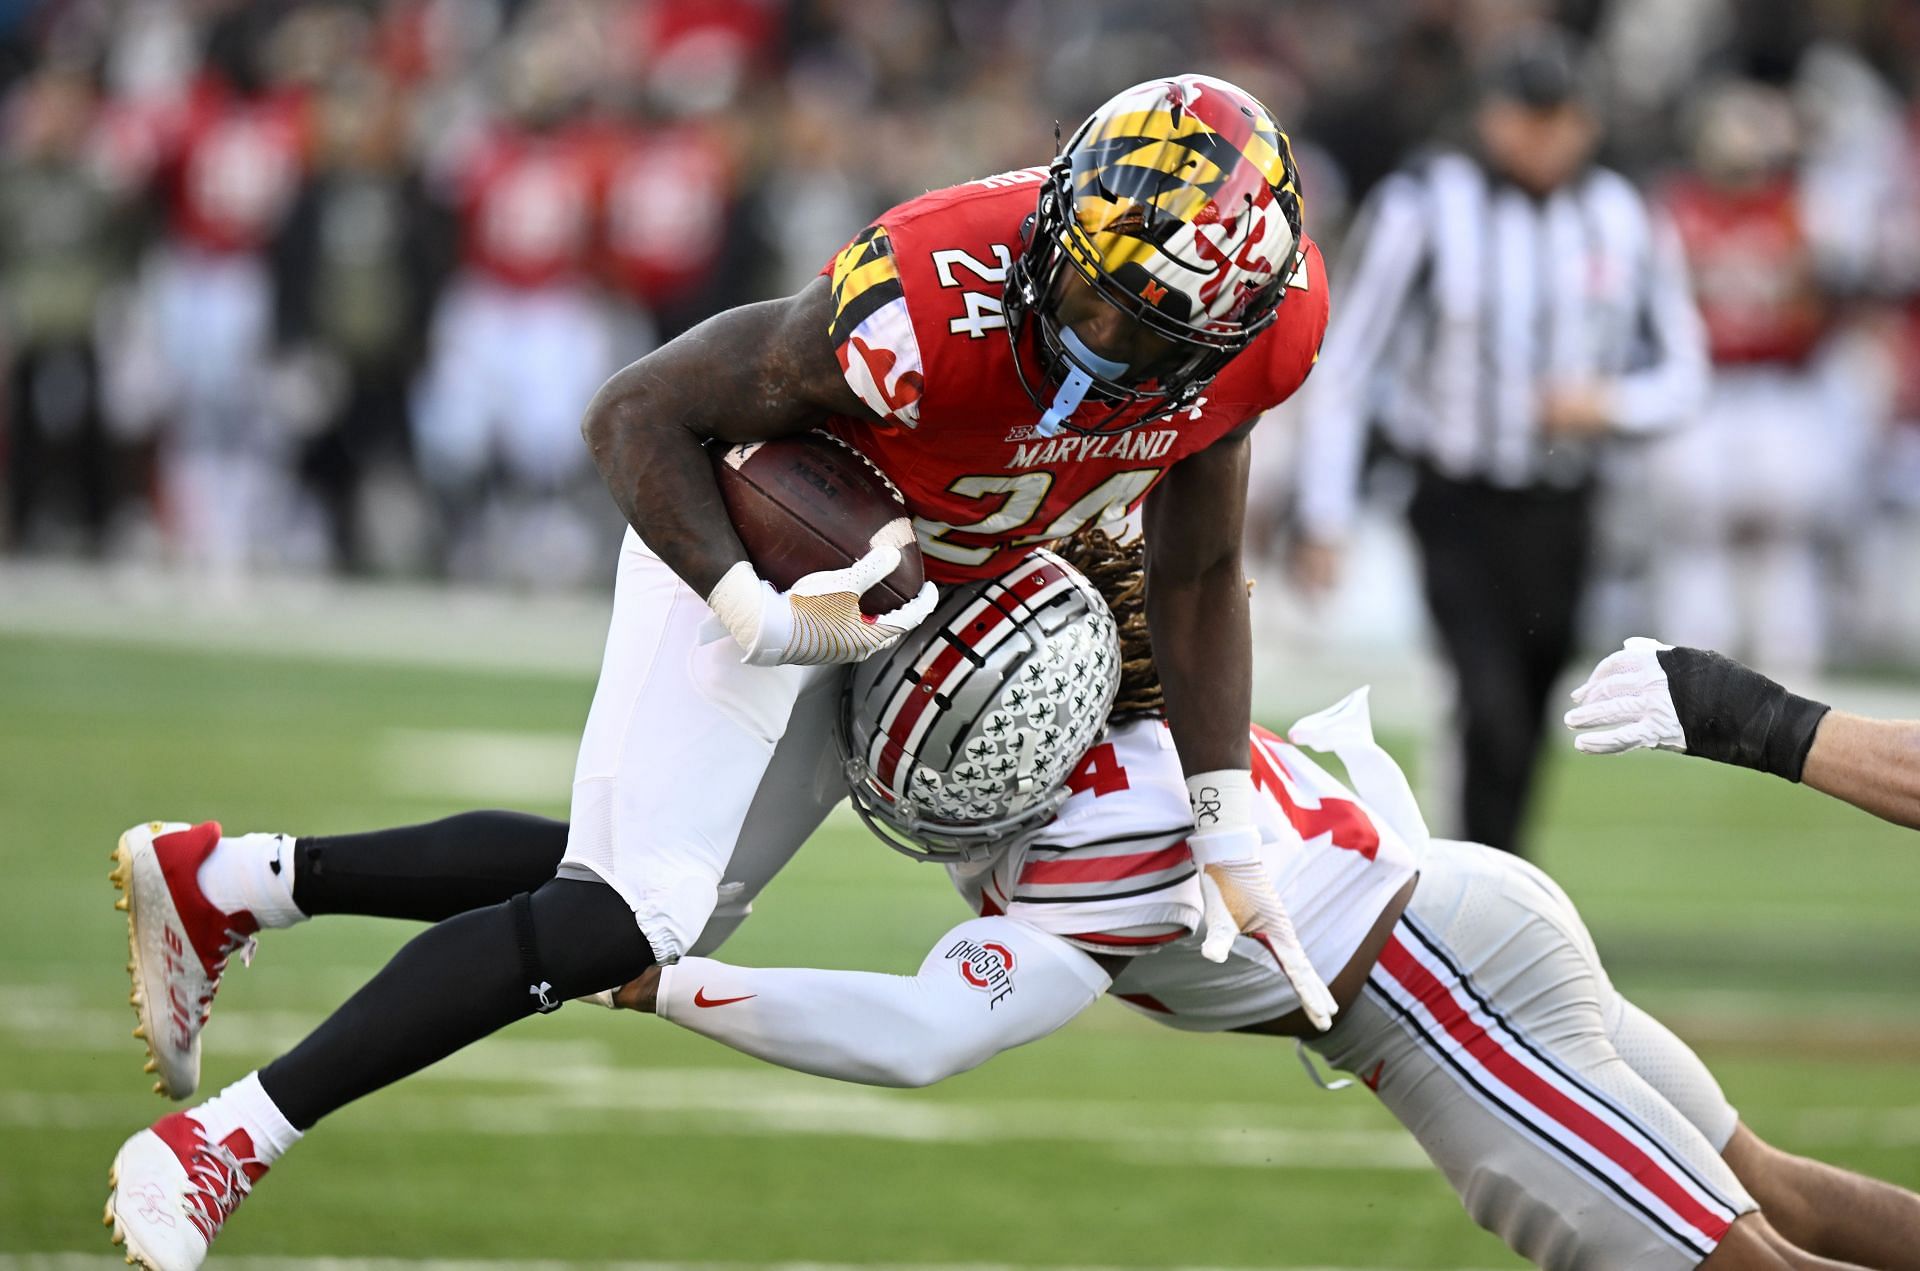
{"x": 172, "y": 1191}
{"x": 178, "y": 943}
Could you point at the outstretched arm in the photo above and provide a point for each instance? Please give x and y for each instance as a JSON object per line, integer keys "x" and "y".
{"x": 1652, "y": 695}
{"x": 1202, "y": 637}
{"x": 1874, "y": 764}
{"x": 989, "y": 985}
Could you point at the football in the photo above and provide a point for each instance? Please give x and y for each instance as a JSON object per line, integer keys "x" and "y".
{"x": 812, "y": 502}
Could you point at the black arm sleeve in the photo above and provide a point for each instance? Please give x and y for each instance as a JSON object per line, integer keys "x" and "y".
{"x": 1733, "y": 714}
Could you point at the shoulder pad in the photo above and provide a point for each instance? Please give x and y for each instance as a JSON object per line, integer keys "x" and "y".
{"x": 871, "y": 331}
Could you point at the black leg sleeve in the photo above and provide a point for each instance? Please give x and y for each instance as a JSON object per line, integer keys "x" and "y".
{"x": 455, "y": 983}
{"x": 427, "y": 872}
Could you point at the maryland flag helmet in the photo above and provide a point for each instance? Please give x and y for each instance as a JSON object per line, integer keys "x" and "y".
{"x": 1177, "y": 201}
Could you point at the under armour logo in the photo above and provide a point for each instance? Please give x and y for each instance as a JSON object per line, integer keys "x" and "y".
{"x": 546, "y": 1005}
{"x": 153, "y": 1204}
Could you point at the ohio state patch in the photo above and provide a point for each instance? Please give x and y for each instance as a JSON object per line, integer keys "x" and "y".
{"x": 985, "y": 967}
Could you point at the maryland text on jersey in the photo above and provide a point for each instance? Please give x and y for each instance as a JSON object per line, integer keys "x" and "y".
{"x": 1145, "y": 445}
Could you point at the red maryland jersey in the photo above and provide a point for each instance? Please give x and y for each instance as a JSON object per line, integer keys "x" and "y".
{"x": 1753, "y": 270}
{"x": 527, "y": 205}
{"x": 240, "y": 162}
{"x": 668, "y": 191}
{"x": 921, "y": 335}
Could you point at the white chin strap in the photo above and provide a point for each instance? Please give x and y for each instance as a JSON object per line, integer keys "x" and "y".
{"x": 1073, "y": 389}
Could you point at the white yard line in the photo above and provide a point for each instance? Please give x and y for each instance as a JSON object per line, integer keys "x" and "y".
{"x": 93, "y": 1262}
{"x": 323, "y": 618}
{"x": 493, "y": 766}
{"x": 578, "y": 1086}
{"x": 655, "y": 1107}
{"x": 1299, "y": 668}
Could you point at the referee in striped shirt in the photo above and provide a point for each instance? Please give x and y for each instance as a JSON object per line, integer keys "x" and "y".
{"x": 1507, "y": 314}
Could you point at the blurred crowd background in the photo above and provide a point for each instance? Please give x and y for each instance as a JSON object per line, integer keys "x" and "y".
{"x": 324, "y": 286}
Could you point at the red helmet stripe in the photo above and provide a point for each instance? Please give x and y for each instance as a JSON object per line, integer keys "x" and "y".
{"x": 979, "y": 627}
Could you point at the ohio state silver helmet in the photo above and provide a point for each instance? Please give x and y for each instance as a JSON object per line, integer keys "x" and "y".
{"x": 962, "y": 735}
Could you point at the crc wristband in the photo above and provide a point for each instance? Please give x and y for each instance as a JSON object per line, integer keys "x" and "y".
{"x": 1222, "y": 799}
{"x": 1732, "y": 714}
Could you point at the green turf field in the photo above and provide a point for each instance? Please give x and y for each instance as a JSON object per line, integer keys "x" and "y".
{"x": 1775, "y": 931}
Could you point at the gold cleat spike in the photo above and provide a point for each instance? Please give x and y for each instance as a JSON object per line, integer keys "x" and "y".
{"x": 158, "y": 1088}
{"x": 140, "y": 1032}
{"x": 121, "y": 904}
{"x": 153, "y": 1065}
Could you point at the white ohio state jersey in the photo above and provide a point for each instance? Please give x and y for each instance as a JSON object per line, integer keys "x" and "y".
{"x": 1112, "y": 873}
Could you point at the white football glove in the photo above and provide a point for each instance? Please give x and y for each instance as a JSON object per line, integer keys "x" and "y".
{"x": 1626, "y": 704}
{"x": 818, "y": 620}
{"x": 1238, "y": 891}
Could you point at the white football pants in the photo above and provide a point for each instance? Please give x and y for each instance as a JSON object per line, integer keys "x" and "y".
{"x": 698, "y": 776}
{"x": 1571, "y": 1124}
{"x": 509, "y": 373}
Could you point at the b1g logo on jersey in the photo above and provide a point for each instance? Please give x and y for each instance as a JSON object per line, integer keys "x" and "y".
{"x": 986, "y": 967}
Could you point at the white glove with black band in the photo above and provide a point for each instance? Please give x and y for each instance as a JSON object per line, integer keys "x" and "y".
{"x": 1653, "y": 695}
{"x": 1238, "y": 889}
{"x": 818, "y": 620}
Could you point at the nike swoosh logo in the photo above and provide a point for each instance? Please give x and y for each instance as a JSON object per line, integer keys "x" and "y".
{"x": 700, "y": 998}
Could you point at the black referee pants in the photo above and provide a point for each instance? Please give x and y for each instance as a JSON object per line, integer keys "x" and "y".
{"x": 1504, "y": 572}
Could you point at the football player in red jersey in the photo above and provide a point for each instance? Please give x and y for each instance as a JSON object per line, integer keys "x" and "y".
{"x": 518, "y": 338}
{"x": 1024, "y": 355}
{"x": 1746, "y": 495}
{"x": 230, "y": 159}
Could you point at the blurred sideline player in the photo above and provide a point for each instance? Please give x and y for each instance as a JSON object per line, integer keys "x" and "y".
{"x": 518, "y": 341}
{"x": 1653, "y": 695}
{"x": 1770, "y": 469}
{"x": 1024, "y": 355}
{"x": 229, "y": 159}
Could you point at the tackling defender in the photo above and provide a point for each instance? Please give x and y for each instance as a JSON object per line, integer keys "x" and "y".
{"x": 1023, "y": 355}
{"x": 1572, "y": 1124}
{"x": 1703, "y": 703}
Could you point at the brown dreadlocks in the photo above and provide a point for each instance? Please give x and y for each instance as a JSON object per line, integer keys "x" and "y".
{"x": 1118, "y": 571}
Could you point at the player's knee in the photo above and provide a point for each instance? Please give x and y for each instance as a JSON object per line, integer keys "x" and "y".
{"x": 579, "y": 937}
